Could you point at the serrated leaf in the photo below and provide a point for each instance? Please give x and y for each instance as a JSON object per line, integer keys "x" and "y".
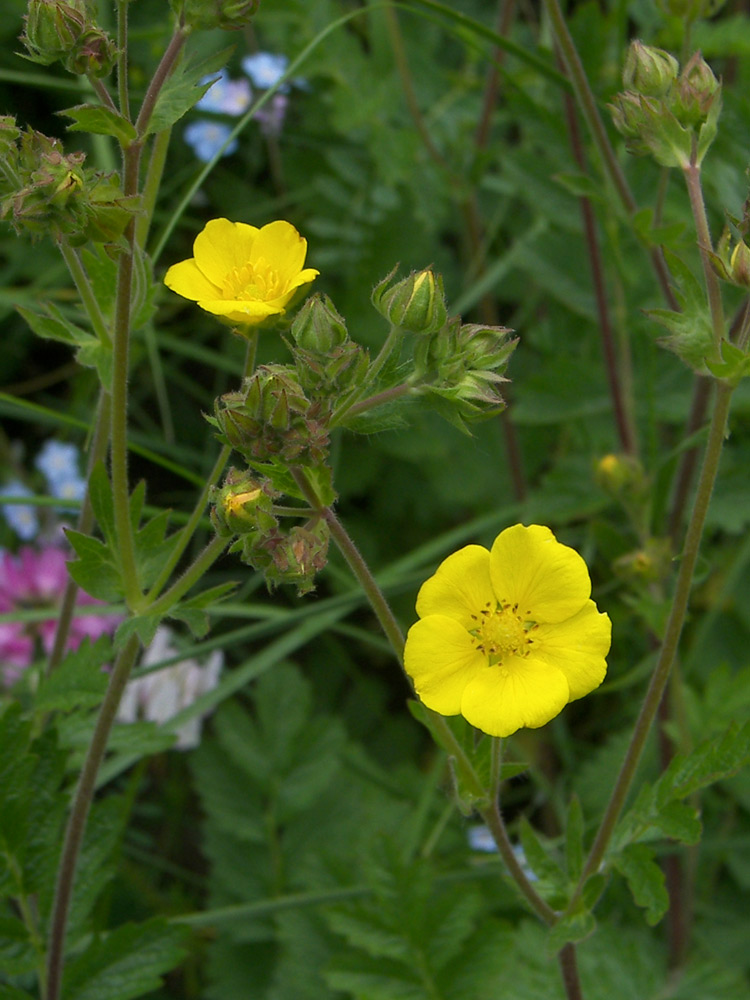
{"x": 96, "y": 570}
{"x": 101, "y": 121}
{"x": 17, "y": 953}
{"x": 126, "y": 963}
{"x": 52, "y": 325}
{"x": 183, "y": 90}
{"x": 538, "y": 857}
{"x": 79, "y": 681}
{"x": 645, "y": 880}
{"x": 102, "y": 502}
{"x": 712, "y": 761}
{"x": 92, "y": 353}
{"x": 144, "y": 626}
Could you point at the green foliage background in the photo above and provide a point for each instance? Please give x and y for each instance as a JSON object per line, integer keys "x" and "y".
{"x": 309, "y": 848}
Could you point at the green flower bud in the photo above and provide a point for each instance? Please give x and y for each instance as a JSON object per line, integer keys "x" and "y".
{"x": 205, "y": 15}
{"x": 650, "y": 564}
{"x": 318, "y": 327}
{"x": 649, "y": 71}
{"x": 53, "y": 28}
{"x": 243, "y": 504}
{"x": 416, "y": 304}
{"x": 739, "y": 265}
{"x": 94, "y": 54}
{"x": 620, "y": 476}
{"x": 696, "y": 93}
{"x": 271, "y": 417}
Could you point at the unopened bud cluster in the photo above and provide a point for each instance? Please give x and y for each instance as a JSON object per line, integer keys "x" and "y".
{"x": 45, "y": 191}
{"x": 205, "y": 15}
{"x": 271, "y": 418}
{"x": 243, "y": 508}
{"x": 329, "y": 364}
{"x": 66, "y": 32}
{"x": 461, "y": 367}
{"x": 665, "y": 113}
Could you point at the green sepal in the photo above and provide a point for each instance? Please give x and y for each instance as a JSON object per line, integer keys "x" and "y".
{"x": 101, "y": 121}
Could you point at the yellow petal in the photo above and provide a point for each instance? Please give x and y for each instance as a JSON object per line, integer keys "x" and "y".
{"x": 187, "y": 280}
{"x": 441, "y": 659}
{"x": 529, "y": 567}
{"x": 248, "y": 313}
{"x": 281, "y": 245}
{"x": 521, "y": 692}
{"x": 577, "y": 647}
{"x": 460, "y": 587}
{"x": 223, "y": 245}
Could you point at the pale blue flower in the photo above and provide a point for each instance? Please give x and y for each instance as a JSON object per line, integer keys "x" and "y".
{"x": 59, "y": 464}
{"x": 207, "y": 138}
{"x": 22, "y": 518}
{"x": 265, "y": 68}
{"x": 271, "y": 117}
{"x": 226, "y": 96}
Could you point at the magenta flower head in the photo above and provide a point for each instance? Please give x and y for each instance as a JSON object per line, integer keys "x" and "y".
{"x": 36, "y": 578}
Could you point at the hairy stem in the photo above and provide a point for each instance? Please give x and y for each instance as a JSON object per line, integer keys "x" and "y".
{"x": 671, "y": 639}
{"x": 79, "y": 814}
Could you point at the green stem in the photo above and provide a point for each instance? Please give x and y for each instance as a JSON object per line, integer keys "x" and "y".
{"x": 79, "y": 814}
{"x": 589, "y": 110}
{"x": 85, "y": 523}
{"x": 671, "y": 640}
{"x": 692, "y": 174}
{"x": 378, "y": 399}
{"x": 122, "y": 61}
{"x": 86, "y": 292}
{"x": 192, "y": 574}
{"x": 154, "y": 172}
{"x": 119, "y": 438}
{"x": 163, "y": 70}
{"x": 195, "y": 518}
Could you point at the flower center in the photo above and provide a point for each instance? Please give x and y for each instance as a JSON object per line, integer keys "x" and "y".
{"x": 501, "y": 633}
{"x": 254, "y": 282}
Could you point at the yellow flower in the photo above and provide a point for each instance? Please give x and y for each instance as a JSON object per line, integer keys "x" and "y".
{"x": 242, "y": 273}
{"x": 508, "y": 637}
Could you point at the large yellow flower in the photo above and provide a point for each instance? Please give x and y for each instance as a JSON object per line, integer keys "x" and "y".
{"x": 508, "y": 637}
{"x": 242, "y": 273}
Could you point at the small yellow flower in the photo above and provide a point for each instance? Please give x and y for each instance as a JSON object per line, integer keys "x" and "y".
{"x": 508, "y": 637}
{"x": 242, "y": 273}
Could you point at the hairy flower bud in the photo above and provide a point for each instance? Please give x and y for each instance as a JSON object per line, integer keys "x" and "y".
{"x": 318, "y": 327}
{"x": 205, "y": 15}
{"x": 94, "y": 54}
{"x": 243, "y": 504}
{"x": 416, "y": 303}
{"x": 739, "y": 265}
{"x": 697, "y": 91}
{"x": 649, "y": 71}
{"x": 53, "y": 28}
{"x": 620, "y": 476}
{"x": 270, "y": 417}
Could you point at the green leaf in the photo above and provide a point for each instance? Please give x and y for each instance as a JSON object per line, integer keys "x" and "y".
{"x": 13, "y": 993}
{"x": 17, "y": 953}
{"x": 53, "y": 325}
{"x": 102, "y": 502}
{"x": 645, "y": 880}
{"x": 79, "y": 681}
{"x": 101, "y": 121}
{"x": 539, "y": 858}
{"x": 193, "y": 612}
{"x": 126, "y": 963}
{"x": 183, "y": 90}
{"x": 573, "y": 927}
{"x": 97, "y": 570}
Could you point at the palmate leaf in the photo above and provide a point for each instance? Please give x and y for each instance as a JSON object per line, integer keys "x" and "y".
{"x": 126, "y": 963}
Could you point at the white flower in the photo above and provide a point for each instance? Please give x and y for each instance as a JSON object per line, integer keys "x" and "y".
{"x": 159, "y": 696}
